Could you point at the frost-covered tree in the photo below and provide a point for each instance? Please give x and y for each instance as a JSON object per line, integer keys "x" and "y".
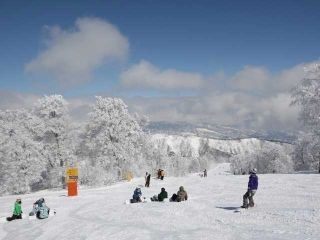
{"x": 271, "y": 158}
{"x": 112, "y": 139}
{"x": 21, "y": 161}
{"x": 307, "y": 95}
{"x": 53, "y": 133}
{"x": 307, "y": 152}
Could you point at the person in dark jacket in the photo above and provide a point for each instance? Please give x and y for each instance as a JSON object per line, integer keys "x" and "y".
{"x": 136, "y": 196}
{"x": 148, "y": 177}
{"x": 161, "y": 196}
{"x": 205, "y": 173}
{"x": 252, "y": 188}
{"x": 17, "y": 211}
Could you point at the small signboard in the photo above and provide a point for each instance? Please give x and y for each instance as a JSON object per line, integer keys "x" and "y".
{"x": 72, "y": 175}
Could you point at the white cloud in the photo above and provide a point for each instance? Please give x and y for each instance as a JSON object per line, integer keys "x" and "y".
{"x": 251, "y": 78}
{"x": 71, "y": 56}
{"x": 144, "y": 75}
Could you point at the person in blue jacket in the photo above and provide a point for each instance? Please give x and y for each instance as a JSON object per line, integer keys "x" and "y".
{"x": 252, "y": 188}
{"x": 137, "y": 195}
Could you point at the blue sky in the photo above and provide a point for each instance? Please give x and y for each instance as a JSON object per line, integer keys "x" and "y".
{"x": 203, "y": 38}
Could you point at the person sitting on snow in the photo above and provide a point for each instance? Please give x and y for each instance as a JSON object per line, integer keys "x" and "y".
{"x": 40, "y": 209}
{"x": 252, "y": 188}
{"x": 136, "y": 196}
{"x": 180, "y": 196}
{"x": 17, "y": 211}
{"x": 161, "y": 196}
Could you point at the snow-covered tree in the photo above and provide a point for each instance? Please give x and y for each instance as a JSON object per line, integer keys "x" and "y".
{"x": 307, "y": 95}
{"x": 21, "y": 161}
{"x": 112, "y": 139}
{"x": 53, "y": 133}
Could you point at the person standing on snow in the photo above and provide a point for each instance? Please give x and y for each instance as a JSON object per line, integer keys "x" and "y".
{"x": 252, "y": 188}
{"x": 161, "y": 174}
{"x": 17, "y": 211}
{"x": 205, "y": 173}
{"x": 148, "y": 176}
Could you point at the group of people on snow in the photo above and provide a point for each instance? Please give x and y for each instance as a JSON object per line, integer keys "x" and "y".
{"x": 40, "y": 210}
{"x": 160, "y": 175}
{"x": 180, "y": 196}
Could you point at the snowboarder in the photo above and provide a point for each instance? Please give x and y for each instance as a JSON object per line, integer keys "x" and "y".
{"x": 40, "y": 209}
{"x": 180, "y": 196}
{"x": 136, "y": 196}
{"x": 252, "y": 188}
{"x": 148, "y": 176}
{"x": 205, "y": 173}
{"x": 161, "y": 196}
{"x": 161, "y": 174}
{"x": 17, "y": 211}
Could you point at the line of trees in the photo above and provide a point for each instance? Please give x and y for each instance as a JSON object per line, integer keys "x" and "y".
{"x": 38, "y": 144}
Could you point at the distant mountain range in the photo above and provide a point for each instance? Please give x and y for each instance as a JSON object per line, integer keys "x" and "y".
{"x": 218, "y": 131}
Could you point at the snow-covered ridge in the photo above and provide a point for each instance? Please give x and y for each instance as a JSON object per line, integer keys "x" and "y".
{"x": 232, "y": 147}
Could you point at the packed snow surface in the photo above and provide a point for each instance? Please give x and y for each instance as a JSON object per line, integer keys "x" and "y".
{"x": 287, "y": 207}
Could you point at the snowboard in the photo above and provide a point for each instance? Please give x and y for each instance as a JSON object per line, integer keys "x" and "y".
{"x": 240, "y": 209}
{"x": 52, "y": 213}
{"x": 144, "y": 200}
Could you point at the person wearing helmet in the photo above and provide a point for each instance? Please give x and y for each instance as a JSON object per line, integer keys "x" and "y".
{"x": 252, "y": 188}
{"x": 136, "y": 196}
{"x": 17, "y": 211}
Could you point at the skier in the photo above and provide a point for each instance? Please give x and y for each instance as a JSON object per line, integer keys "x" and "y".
{"x": 136, "y": 196}
{"x": 161, "y": 196}
{"x": 205, "y": 173}
{"x": 148, "y": 176}
{"x": 180, "y": 196}
{"x": 252, "y": 188}
{"x": 40, "y": 209}
{"x": 17, "y": 211}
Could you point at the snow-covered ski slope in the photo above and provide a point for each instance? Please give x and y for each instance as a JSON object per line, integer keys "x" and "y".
{"x": 288, "y": 207}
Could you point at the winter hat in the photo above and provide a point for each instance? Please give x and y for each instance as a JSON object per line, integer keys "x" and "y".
{"x": 163, "y": 189}
{"x": 254, "y": 170}
{"x": 181, "y": 188}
